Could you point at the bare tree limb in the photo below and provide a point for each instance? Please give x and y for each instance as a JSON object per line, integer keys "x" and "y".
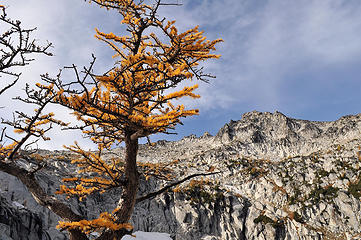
{"x": 162, "y": 190}
{"x": 30, "y": 181}
{"x": 15, "y": 47}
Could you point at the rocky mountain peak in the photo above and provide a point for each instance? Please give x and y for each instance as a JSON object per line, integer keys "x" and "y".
{"x": 276, "y": 135}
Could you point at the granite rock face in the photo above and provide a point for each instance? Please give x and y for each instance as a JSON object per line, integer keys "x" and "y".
{"x": 17, "y": 222}
{"x": 279, "y": 178}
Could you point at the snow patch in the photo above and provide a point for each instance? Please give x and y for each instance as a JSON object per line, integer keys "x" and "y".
{"x": 148, "y": 236}
{"x": 18, "y": 205}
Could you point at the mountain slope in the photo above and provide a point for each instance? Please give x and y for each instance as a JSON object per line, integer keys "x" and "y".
{"x": 279, "y": 178}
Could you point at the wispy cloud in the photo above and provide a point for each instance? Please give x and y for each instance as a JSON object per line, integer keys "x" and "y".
{"x": 269, "y": 44}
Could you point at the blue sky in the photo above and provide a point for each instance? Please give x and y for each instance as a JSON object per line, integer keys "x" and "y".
{"x": 301, "y": 58}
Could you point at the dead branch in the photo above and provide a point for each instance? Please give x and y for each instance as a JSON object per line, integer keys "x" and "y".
{"x": 166, "y": 188}
{"x": 16, "y": 45}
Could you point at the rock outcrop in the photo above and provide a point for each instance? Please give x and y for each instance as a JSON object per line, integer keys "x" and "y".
{"x": 17, "y": 222}
{"x": 277, "y": 178}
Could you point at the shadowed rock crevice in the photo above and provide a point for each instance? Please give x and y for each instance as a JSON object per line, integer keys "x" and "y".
{"x": 16, "y": 222}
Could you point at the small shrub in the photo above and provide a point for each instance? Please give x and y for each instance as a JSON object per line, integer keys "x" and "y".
{"x": 328, "y": 193}
{"x": 355, "y": 189}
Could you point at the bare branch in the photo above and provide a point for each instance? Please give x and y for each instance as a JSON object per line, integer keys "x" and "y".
{"x": 166, "y": 188}
{"x": 15, "y": 47}
{"x": 30, "y": 181}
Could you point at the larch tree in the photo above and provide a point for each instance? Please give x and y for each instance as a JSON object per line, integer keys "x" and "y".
{"x": 132, "y": 100}
{"x": 136, "y": 98}
{"x": 16, "y": 50}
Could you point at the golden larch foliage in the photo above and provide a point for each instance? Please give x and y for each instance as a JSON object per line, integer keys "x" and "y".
{"x": 135, "y": 99}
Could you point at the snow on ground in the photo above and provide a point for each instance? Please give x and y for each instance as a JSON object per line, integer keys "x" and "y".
{"x": 148, "y": 236}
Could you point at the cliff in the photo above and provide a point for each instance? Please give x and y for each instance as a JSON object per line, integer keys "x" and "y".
{"x": 279, "y": 178}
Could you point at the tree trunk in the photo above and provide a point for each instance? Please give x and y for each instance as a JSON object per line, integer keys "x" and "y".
{"x": 127, "y": 200}
{"x": 76, "y": 234}
{"x": 128, "y": 197}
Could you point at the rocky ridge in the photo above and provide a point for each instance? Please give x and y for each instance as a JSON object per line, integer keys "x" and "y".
{"x": 279, "y": 178}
